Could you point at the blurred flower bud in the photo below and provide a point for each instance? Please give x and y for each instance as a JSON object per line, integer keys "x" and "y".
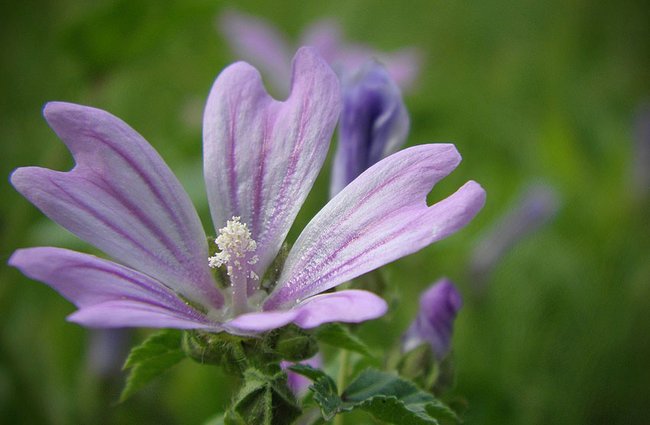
{"x": 107, "y": 350}
{"x": 435, "y": 320}
{"x": 297, "y": 382}
{"x": 374, "y": 123}
{"x": 537, "y": 205}
{"x": 293, "y": 343}
{"x": 212, "y": 348}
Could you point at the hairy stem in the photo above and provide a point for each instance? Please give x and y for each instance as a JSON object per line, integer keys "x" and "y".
{"x": 341, "y": 379}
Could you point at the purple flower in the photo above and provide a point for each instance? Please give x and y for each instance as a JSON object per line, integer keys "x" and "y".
{"x": 297, "y": 382}
{"x": 374, "y": 123}
{"x": 435, "y": 321}
{"x": 537, "y": 205}
{"x": 258, "y": 42}
{"x": 261, "y": 157}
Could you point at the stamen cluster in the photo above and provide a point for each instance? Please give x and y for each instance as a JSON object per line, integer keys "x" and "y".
{"x": 235, "y": 245}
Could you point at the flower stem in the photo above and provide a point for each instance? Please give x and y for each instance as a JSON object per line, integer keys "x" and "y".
{"x": 341, "y": 379}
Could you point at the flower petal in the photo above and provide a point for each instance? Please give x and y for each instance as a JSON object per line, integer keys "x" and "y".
{"x": 261, "y": 155}
{"x": 404, "y": 66}
{"x": 351, "y": 306}
{"x": 378, "y": 218}
{"x": 107, "y": 294}
{"x": 126, "y": 313}
{"x": 122, "y": 198}
{"x": 374, "y": 123}
{"x": 326, "y": 37}
{"x": 257, "y": 42}
{"x": 251, "y": 323}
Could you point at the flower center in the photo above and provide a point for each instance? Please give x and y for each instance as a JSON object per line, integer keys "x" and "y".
{"x": 237, "y": 253}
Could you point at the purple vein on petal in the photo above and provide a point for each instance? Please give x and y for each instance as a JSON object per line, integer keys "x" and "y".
{"x": 279, "y": 146}
{"x": 280, "y": 204}
{"x": 150, "y": 222}
{"x": 378, "y": 218}
{"x": 320, "y": 245}
{"x": 89, "y": 281}
{"x": 232, "y": 157}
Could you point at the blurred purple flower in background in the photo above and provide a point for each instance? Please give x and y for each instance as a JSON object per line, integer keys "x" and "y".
{"x": 261, "y": 158}
{"x": 374, "y": 123}
{"x": 434, "y": 322}
{"x": 260, "y": 43}
{"x": 297, "y": 382}
{"x": 535, "y": 207}
{"x": 107, "y": 349}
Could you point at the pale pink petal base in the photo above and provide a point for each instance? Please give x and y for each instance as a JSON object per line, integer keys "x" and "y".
{"x": 350, "y": 306}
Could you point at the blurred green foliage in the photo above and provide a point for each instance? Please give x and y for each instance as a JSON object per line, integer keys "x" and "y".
{"x": 528, "y": 90}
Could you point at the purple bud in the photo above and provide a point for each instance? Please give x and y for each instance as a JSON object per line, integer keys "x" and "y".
{"x": 537, "y": 205}
{"x": 297, "y": 382}
{"x": 374, "y": 123}
{"x": 435, "y": 321}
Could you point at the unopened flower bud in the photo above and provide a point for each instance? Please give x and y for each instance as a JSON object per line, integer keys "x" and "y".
{"x": 374, "y": 123}
{"x": 292, "y": 343}
{"x": 435, "y": 320}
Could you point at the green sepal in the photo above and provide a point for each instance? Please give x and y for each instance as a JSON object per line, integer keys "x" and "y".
{"x": 150, "y": 359}
{"x": 238, "y": 353}
{"x": 215, "y": 348}
{"x": 339, "y": 336}
{"x": 264, "y": 399}
{"x": 292, "y": 343}
{"x": 385, "y": 396}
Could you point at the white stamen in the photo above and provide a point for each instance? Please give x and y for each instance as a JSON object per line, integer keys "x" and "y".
{"x": 234, "y": 243}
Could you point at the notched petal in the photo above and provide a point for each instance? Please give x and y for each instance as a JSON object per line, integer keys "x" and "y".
{"x": 379, "y": 217}
{"x": 122, "y": 198}
{"x": 262, "y": 156}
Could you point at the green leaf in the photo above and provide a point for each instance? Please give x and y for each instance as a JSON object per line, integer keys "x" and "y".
{"x": 386, "y": 396}
{"x": 154, "y": 356}
{"x": 311, "y": 373}
{"x": 395, "y": 400}
{"x": 337, "y": 335}
{"x": 324, "y": 389}
{"x": 264, "y": 399}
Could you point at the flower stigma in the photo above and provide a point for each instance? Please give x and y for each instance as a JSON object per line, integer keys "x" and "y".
{"x": 237, "y": 253}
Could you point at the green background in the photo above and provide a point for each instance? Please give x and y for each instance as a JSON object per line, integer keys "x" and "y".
{"x": 530, "y": 91}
